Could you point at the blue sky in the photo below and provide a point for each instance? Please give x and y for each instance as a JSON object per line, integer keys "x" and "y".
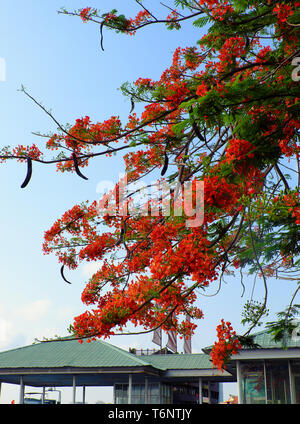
{"x": 59, "y": 61}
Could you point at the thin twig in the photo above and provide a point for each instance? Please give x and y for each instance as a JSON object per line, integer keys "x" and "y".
{"x": 146, "y": 10}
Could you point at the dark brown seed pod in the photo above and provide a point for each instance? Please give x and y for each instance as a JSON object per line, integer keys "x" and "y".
{"x": 29, "y": 173}
{"x": 166, "y": 164}
{"x": 121, "y": 238}
{"x": 197, "y": 132}
{"x": 78, "y": 172}
{"x": 101, "y": 36}
{"x": 132, "y": 106}
{"x": 63, "y": 276}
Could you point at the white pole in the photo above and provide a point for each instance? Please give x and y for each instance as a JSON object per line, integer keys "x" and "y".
{"x": 130, "y": 389}
{"x": 74, "y": 388}
{"x": 239, "y": 381}
{"x": 22, "y": 387}
{"x": 292, "y": 385}
{"x": 200, "y": 391}
{"x": 209, "y": 392}
{"x": 83, "y": 394}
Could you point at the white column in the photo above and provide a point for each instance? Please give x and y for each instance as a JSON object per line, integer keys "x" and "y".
{"x": 114, "y": 393}
{"x": 130, "y": 389}
{"x": 221, "y": 391}
{"x": 239, "y": 381}
{"x": 74, "y": 388}
{"x": 83, "y": 394}
{"x": 22, "y": 388}
{"x": 200, "y": 391}
{"x": 292, "y": 385}
{"x": 209, "y": 392}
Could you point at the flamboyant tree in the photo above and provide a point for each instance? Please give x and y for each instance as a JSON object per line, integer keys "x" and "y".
{"x": 220, "y": 132}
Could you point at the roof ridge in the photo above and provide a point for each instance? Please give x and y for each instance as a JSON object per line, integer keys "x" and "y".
{"x": 110, "y": 346}
{"x": 260, "y": 332}
{"x": 175, "y": 355}
{"x": 57, "y": 351}
{"x": 17, "y": 348}
{"x": 123, "y": 351}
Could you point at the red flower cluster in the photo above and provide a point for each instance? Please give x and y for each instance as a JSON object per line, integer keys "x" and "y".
{"x": 23, "y": 151}
{"x": 227, "y": 345}
{"x": 142, "y": 17}
{"x": 233, "y": 48}
{"x": 85, "y": 14}
{"x": 283, "y": 11}
{"x": 200, "y": 121}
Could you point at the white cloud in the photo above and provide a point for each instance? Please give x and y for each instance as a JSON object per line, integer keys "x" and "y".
{"x": 7, "y": 332}
{"x": 66, "y": 313}
{"x": 34, "y": 311}
{"x": 90, "y": 268}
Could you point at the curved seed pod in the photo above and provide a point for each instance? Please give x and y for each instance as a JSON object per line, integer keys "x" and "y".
{"x": 101, "y": 36}
{"x": 132, "y": 106}
{"x": 247, "y": 44}
{"x": 122, "y": 234}
{"x": 78, "y": 172}
{"x": 166, "y": 164}
{"x": 121, "y": 238}
{"x": 29, "y": 172}
{"x": 197, "y": 132}
{"x": 62, "y": 274}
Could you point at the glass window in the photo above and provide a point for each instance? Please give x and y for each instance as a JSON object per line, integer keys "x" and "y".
{"x": 154, "y": 393}
{"x": 297, "y": 388}
{"x": 154, "y": 389}
{"x": 121, "y": 395}
{"x": 295, "y": 366}
{"x": 253, "y": 382}
{"x": 138, "y": 393}
{"x": 278, "y": 387}
{"x": 166, "y": 394}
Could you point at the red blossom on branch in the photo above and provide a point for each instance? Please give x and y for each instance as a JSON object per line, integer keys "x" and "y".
{"x": 226, "y": 346}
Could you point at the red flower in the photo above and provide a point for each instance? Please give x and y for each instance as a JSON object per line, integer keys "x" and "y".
{"x": 85, "y": 14}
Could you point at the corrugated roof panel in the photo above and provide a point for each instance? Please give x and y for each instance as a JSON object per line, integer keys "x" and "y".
{"x": 180, "y": 361}
{"x": 265, "y": 340}
{"x": 69, "y": 353}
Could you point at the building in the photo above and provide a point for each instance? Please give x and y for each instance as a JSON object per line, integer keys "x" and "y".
{"x": 266, "y": 373}
{"x": 174, "y": 378}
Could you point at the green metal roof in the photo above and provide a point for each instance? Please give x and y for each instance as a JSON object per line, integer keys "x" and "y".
{"x": 100, "y": 354}
{"x": 69, "y": 353}
{"x": 265, "y": 340}
{"x": 96, "y": 354}
{"x": 179, "y": 361}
